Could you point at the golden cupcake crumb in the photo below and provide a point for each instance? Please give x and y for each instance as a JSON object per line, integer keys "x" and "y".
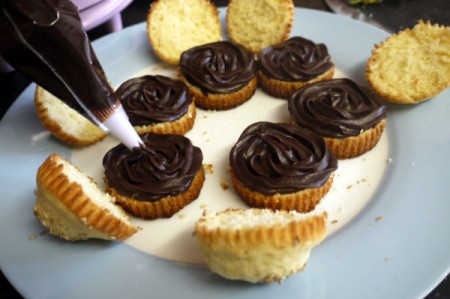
{"x": 208, "y": 168}
{"x": 224, "y": 184}
{"x": 411, "y": 66}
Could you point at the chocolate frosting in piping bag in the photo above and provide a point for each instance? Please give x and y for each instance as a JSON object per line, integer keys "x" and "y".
{"x": 46, "y": 41}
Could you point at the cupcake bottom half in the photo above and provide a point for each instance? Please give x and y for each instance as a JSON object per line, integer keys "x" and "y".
{"x": 354, "y": 146}
{"x": 284, "y": 89}
{"x": 261, "y": 264}
{"x": 302, "y": 201}
{"x": 71, "y": 206}
{"x": 163, "y": 208}
{"x": 180, "y": 126}
{"x": 262, "y": 248}
{"x": 216, "y": 101}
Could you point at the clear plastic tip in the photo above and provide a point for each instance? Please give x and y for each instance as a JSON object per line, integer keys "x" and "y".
{"x": 120, "y": 128}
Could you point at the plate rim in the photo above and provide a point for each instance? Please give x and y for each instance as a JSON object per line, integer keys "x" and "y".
{"x": 102, "y": 43}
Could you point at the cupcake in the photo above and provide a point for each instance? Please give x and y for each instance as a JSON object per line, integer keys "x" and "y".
{"x": 156, "y": 180}
{"x": 72, "y": 207}
{"x": 286, "y": 67}
{"x": 259, "y": 245}
{"x": 411, "y": 66}
{"x": 349, "y": 117}
{"x": 219, "y": 75}
{"x": 281, "y": 167}
{"x": 257, "y": 24}
{"x": 174, "y": 26}
{"x": 157, "y": 104}
{"x": 64, "y": 122}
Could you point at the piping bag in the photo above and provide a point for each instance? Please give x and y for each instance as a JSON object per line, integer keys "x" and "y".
{"x": 45, "y": 40}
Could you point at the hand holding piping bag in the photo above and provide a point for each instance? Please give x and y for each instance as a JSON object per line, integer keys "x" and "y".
{"x": 45, "y": 40}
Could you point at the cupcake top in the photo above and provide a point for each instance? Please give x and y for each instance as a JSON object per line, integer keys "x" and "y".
{"x": 154, "y": 99}
{"x": 281, "y": 158}
{"x": 165, "y": 165}
{"x": 297, "y": 59}
{"x": 336, "y": 108}
{"x": 412, "y": 65}
{"x": 220, "y": 67}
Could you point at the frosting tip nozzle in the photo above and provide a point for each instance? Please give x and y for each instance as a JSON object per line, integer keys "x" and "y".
{"x": 119, "y": 127}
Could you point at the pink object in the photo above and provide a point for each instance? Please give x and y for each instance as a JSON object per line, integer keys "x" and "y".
{"x": 103, "y": 11}
{"x": 83, "y": 4}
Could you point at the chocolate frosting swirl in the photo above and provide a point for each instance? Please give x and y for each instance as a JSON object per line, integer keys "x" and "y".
{"x": 165, "y": 165}
{"x": 154, "y": 99}
{"x": 220, "y": 67}
{"x": 281, "y": 158}
{"x": 297, "y": 59}
{"x": 336, "y": 108}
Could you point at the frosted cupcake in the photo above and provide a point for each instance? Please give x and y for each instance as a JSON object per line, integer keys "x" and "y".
{"x": 219, "y": 75}
{"x": 156, "y": 180}
{"x": 297, "y": 62}
{"x": 281, "y": 167}
{"x": 349, "y": 117}
{"x": 157, "y": 104}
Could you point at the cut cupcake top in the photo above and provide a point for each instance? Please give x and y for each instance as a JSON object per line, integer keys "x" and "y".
{"x": 257, "y": 24}
{"x": 411, "y": 66}
{"x": 174, "y": 26}
{"x": 250, "y": 228}
{"x": 297, "y": 59}
{"x": 154, "y": 99}
{"x": 336, "y": 108}
{"x": 164, "y": 166}
{"x": 281, "y": 158}
{"x": 64, "y": 122}
{"x": 220, "y": 67}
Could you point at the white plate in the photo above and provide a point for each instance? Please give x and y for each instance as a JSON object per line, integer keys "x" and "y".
{"x": 394, "y": 244}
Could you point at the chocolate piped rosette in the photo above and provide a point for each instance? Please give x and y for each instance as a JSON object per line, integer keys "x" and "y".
{"x": 220, "y": 75}
{"x": 281, "y": 167}
{"x": 157, "y": 104}
{"x": 286, "y": 67}
{"x": 156, "y": 180}
{"x": 349, "y": 117}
